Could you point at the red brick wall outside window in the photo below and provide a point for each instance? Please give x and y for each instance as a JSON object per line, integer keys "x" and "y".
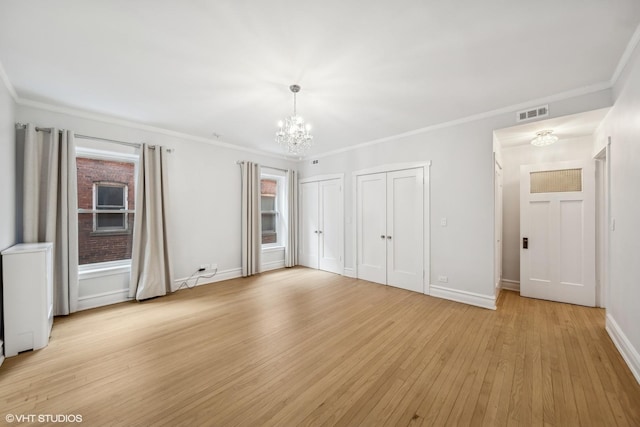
{"x": 98, "y": 246}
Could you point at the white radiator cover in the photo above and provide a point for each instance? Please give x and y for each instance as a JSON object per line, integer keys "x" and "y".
{"x": 27, "y": 272}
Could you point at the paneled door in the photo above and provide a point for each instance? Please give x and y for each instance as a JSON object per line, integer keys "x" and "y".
{"x": 405, "y": 224}
{"x": 390, "y": 228}
{"x": 309, "y": 224}
{"x": 557, "y": 232}
{"x": 330, "y": 240}
{"x": 372, "y": 227}
{"x": 321, "y": 225}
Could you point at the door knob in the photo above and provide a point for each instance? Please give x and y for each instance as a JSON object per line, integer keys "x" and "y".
{"x": 316, "y": 231}
{"x": 389, "y": 237}
{"x": 382, "y": 236}
{"x": 320, "y": 232}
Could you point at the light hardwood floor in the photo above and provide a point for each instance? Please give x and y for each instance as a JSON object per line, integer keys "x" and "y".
{"x": 304, "y": 347}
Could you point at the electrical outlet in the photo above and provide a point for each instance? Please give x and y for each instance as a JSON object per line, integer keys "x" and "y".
{"x": 214, "y": 266}
{"x": 443, "y": 279}
{"x": 205, "y": 266}
{"x": 443, "y": 222}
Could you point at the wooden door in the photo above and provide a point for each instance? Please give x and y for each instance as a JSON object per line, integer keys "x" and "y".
{"x": 557, "y": 232}
{"x": 405, "y": 224}
{"x": 371, "y": 207}
{"x": 330, "y": 226}
{"x": 309, "y": 224}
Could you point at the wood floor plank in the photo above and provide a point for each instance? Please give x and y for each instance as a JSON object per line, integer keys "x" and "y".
{"x": 547, "y": 363}
{"x": 509, "y": 359}
{"x": 305, "y": 347}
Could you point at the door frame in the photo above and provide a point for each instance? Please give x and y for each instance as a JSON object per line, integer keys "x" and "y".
{"x": 341, "y": 237}
{"x": 393, "y": 167}
{"x": 603, "y": 224}
{"x": 498, "y": 220}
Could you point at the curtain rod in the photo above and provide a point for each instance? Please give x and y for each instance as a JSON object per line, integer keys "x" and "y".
{"x": 95, "y": 138}
{"x": 240, "y": 162}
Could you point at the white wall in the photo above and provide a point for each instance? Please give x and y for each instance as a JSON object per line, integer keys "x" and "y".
{"x": 205, "y": 182}
{"x": 204, "y": 191}
{"x": 513, "y": 158}
{"x": 461, "y": 177}
{"x": 7, "y": 169}
{"x": 622, "y": 125}
{"x": 7, "y": 182}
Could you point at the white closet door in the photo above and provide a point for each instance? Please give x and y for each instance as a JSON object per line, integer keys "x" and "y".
{"x": 309, "y": 224}
{"x": 405, "y": 229}
{"x": 371, "y": 232}
{"x": 330, "y": 233}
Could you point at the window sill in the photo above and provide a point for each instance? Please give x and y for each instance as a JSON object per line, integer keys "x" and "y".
{"x": 102, "y": 269}
{"x": 110, "y": 233}
{"x": 277, "y": 248}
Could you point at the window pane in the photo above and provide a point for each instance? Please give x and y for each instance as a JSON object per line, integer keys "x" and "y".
{"x": 110, "y": 220}
{"x": 268, "y": 203}
{"x": 101, "y": 246}
{"x": 104, "y": 237}
{"x": 268, "y": 186}
{"x": 556, "y": 181}
{"x": 268, "y": 222}
{"x": 269, "y": 238}
{"x": 110, "y": 196}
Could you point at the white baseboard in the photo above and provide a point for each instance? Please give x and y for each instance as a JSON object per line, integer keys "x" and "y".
{"x": 624, "y": 346}
{"x": 471, "y": 298}
{"x": 121, "y": 295}
{"x": 233, "y": 273}
{"x": 349, "y": 272}
{"x": 511, "y": 285}
{"x": 273, "y": 265}
{"x": 106, "y": 298}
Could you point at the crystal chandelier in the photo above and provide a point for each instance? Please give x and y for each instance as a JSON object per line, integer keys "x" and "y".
{"x": 292, "y": 133}
{"x": 544, "y": 137}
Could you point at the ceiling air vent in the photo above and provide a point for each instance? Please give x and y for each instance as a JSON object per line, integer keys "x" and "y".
{"x": 533, "y": 113}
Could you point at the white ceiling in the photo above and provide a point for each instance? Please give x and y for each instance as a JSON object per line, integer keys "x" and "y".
{"x": 565, "y": 128}
{"x": 368, "y": 69}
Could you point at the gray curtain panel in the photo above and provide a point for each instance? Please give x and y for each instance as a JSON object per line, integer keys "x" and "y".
{"x": 50, "y": 206}
{"x": 151, "y": 272}
{"x": 251, "y": 219}
{"x": 291, "y": 248}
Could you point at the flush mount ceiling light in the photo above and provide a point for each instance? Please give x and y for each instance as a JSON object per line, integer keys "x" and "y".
{"x": 293, "y": 134}
{"x": 544, "y": 137}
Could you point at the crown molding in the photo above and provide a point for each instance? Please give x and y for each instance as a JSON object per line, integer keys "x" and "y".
{"x": 633, "y": 42}
{"x": 475, "y": 117}
{"x": 626, "y": 56}
{"x": 7, "y": 83}
{"x": 135, "y": 125}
